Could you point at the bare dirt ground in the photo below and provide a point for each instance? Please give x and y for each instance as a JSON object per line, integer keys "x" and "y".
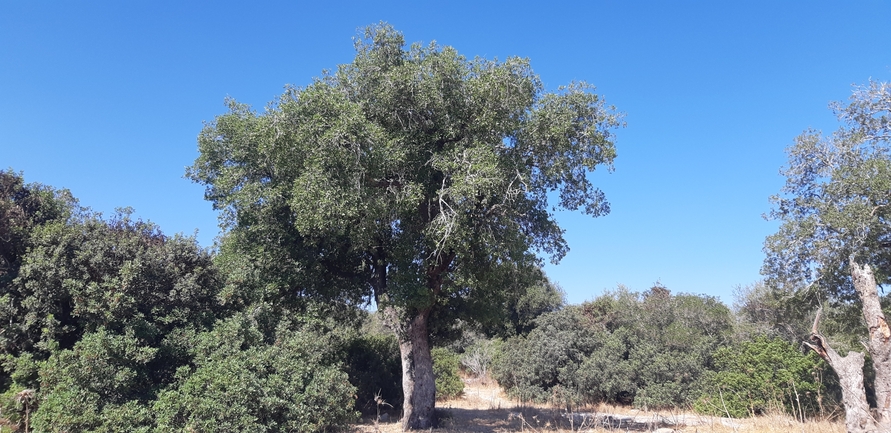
{"x": 485, "y": 409}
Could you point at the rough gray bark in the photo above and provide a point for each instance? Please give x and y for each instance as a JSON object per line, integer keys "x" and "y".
{"x": 849, "y": 369}
{"x": 879, "y": 340}
{"x": 418, "y": 383}
{"x": 410, "y": 327}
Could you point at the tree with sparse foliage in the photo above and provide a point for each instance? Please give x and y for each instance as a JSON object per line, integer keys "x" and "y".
{"x": 835, "y": 239}
{"x": 412, "y": 176}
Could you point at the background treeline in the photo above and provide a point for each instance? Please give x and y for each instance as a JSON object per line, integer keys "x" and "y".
{"x": 656, "y": 350}
{"x": 109, "y": 325}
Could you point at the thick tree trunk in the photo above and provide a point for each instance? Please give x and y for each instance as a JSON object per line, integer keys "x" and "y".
{"x": 850, "y": 368}
{"x": 410, "y": 326}
{"x": 879, "y": 340}
{"x": 418, "y": 383}
{"x": 850, "y": 377}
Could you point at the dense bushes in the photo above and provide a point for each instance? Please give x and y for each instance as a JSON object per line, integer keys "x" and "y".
{"x": 753, "y": 377}
{"x": 375, "y": 370}
{"x": 240, "y": 383}
{"x": 102, "y": 384}
{"x": 113, "y": 326}
{"x": 650, "y": 349}
{"x": 530, "y": 367}
{"x": 445, "y": 369}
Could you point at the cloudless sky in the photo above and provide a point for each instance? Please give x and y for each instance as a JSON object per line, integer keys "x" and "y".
{"x": 107, "y": 98}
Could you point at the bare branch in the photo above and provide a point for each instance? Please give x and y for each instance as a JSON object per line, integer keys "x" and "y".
{"x": 816, "y": 322}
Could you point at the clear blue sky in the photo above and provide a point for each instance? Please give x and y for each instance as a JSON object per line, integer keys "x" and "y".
{"x": 106, "y": 99}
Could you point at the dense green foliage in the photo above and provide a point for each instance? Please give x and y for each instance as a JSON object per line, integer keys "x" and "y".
{"x": 239, "y": 382}
{"x": 102, "y": 384}
{"x": 445, "y": 369}
{"x": 23, "y": 210}
{"x": 525, "y": 301}
{"x": 401, "y": 154}
{"x": 754, "y": 377}
{"x": 412, "y": 176}
{"x": 650, "y": 349}
{"x": 375, "y": 369}
{"x": 113, "y": 326}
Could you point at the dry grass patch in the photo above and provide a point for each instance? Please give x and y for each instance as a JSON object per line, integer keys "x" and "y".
{"x": 484, "y": 408}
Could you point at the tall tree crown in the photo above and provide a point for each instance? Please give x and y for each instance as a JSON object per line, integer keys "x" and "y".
{"x": 835, "y": 204}
{"x": 408, "y": 169}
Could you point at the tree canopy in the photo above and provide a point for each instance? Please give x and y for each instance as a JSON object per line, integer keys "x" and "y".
{"x": 835, "y": 204}
{"x": 835, "y": 238}
{"x": 412, "y": 176}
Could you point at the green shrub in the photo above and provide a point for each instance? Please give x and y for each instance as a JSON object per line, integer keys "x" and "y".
{"x": 100, "y": 385}
{"x": 550, "y": 355}
{"x": 756, "y": 376}
{"x": 445, "y": 369}
{"x": 650, "y": 349}
{"x": 375, "y": 369}
{"x": 241, "y": 383}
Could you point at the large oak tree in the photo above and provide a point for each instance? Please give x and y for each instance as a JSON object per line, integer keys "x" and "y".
{"x": 835, "y": 239}
{"x": 412, "y": 176}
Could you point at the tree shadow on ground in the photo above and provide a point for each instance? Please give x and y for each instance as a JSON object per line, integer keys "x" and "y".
{"x": 535, "y": 419}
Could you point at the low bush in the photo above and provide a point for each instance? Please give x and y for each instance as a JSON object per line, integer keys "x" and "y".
{"x": 765, "y": 374}
{"x": 241, "y": 383}
{"x": 99, "y": 385}
{"x": 650, "y": 350}
{"x": 445, "y": 369}
{"x": 375, "y": 369}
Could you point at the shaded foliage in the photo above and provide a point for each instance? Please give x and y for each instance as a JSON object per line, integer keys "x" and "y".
{"x": 375, "y": 370}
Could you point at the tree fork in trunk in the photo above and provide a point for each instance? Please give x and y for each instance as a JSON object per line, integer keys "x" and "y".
{"x": 879, "y": 340}
{"x": 849, "y": 369}
{"x": 418, "y": 383}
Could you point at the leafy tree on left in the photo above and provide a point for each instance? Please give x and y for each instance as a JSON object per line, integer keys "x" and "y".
{"x": 109, "y": 325}
{"x": 23, "y": 209}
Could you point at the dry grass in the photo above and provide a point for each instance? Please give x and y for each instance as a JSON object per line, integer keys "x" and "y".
{"x": 485, "y": 409}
